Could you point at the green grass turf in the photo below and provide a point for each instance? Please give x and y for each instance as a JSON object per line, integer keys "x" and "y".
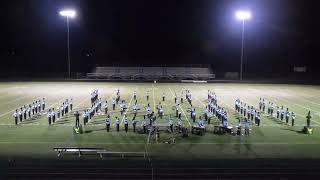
{"x": 273, "y": 139}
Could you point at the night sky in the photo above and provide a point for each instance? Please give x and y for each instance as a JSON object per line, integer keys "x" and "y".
{"x": 281, "y": 34}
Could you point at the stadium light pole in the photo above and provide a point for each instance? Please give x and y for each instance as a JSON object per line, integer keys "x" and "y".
{"x": 242, "y": 16}
{"x": 69, "y": 14}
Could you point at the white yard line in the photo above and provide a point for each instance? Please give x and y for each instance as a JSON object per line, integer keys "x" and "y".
{"x": 81, "y": 102}
{"x": 311, "y": 102}
{"x": 109, "y": 99}
{"x": 1, "y": 115}
{"x": 196, "y": 98}
{"x": 181, "y": 108}
{"x": 291, "y": 103}
{"x": 154, "y": 102}
{"x": 219, "y": 100}
{"x": 268, "y": 124}
{"x": 17, "y": 99}
{"x": 125, "y": 113}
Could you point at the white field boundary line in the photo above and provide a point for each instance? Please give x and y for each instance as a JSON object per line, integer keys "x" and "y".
{"x": 292, "y": 103}
{"x": 17, "y": 99}
{"x": 50, "y": 106}
{"x": 1, "y": 115}
{"x": 6, "y": 90}
{"x": 305, "y": 98}
{"x": 285, "y": 100}
{"x": 181, "y": 108}
{"x": 125, "y": 113}
{"x": 304, "y": 107}
{"x": 209, "y": 143}
{"x": 46, "y": 109}
{"x": 312, "y": 102}
{"x": 289, "y": 103}
{"x": 310, "y": 89}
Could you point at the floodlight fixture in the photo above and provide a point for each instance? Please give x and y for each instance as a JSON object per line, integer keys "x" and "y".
{"x": 243, "y": 15}
{"x": 69, "y": 13}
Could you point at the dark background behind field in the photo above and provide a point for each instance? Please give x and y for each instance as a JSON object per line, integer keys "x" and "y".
{"x": 281, "y": 35}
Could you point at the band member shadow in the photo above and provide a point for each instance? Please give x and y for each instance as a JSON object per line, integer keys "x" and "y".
{"x": 88, "y": 131}
{"x": 293, "y": 130}
{"x": 98, "y": 122}
{"x": 29, "y": 121}
{"x": 63, "y": 121}
{"x": 92, "y": 130}
{"x": 278, "y": 121}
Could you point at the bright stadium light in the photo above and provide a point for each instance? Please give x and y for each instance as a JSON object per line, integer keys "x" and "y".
{"x": 242, "y": 16}
{"x": 68, "y": 13}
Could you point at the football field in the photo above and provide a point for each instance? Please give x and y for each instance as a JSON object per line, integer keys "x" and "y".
{"x": 34, "y": 138}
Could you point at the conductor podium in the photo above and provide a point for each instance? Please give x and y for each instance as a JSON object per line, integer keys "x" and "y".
{"x": 307, "y": 130}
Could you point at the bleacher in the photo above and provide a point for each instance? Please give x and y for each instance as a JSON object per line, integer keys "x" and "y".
{"x": 152, "y": 73}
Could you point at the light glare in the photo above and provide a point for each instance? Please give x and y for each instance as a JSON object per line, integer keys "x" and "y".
{"x": 243, "y": 15}
{"x": 68, "y": 13}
